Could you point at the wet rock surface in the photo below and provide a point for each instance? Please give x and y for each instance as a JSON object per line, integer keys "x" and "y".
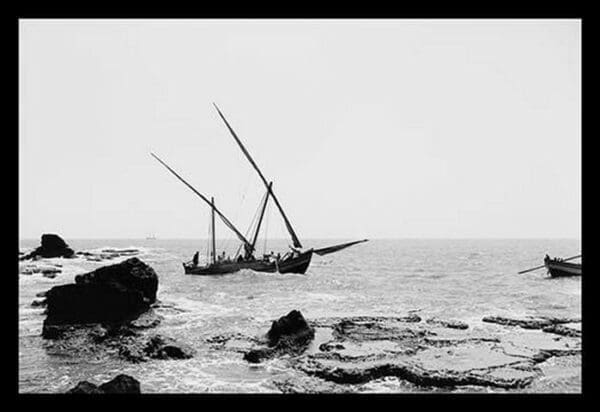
{"x": 120, "y": 384}
{"x": 46, "y": 269}
{"x": 289, "y": 335}
{"x": 108, "y": 313}
{"x": 154, "y": 347}
{"x": 114, "y": 293}
{"x": 52, "y": 246}
{"x": 453, "y": 324}
{"x": 349, "y": 354}
{"x": 529, "y": 322}
{"x": 132, "y": 341}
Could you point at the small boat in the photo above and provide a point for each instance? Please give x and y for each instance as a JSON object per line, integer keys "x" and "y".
{"x": 296, "y": 260}
{"x": 559, "y": 268}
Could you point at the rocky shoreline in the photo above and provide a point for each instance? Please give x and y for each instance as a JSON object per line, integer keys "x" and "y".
{"x": 443, "y": 354}
{"x": 112, "y": 312}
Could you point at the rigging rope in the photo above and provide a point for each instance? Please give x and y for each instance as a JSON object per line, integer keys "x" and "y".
{"x": 266, "y": 228}
{"x": 226, "y": 243}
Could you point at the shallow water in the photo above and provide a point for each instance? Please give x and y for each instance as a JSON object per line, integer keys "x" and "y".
{"x": 458, "y": 279}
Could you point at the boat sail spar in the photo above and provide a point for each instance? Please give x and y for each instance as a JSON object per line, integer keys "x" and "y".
{"x": 295, "y": 261}
{"x": 288, "y": 225}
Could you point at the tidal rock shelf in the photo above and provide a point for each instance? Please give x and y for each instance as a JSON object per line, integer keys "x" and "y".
{"x": 346, "y": 354}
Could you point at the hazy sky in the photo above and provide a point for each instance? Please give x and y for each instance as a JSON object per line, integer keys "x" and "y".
{"x": 382, "y": 128}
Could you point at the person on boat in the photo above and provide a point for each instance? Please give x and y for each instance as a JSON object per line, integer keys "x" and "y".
{"x": 295, "y": 252}
{"x": 195, "y": 259}
{"x": 546, "y": 258}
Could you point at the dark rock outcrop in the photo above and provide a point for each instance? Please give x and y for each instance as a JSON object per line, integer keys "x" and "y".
{"x": 52, "y": 246}
{"x": 85, "y": 387}
{"x": 290, "y": 334}
{"x": 120, "y": 384}
{"x": 113, "y": 294}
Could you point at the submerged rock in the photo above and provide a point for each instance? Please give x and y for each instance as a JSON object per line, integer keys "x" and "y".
{"x": 120, "y": 384}
{"x": 453, "y": 324}
{"x": 528, "y": 322}
{"x": 155, "y": 347}
{"x": 107, "y": 254}
{"x": 562, "y": 330}
{"x": 52, "y": 246}
{"x": 290, "y": 334}
{"x": 115, "y": 293}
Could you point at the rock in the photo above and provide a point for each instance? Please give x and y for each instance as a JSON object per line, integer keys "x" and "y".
{"x": 362, "y": 372}
{"x": 562, "y": 330}
{"x": 289, "y": 334}
{"x": 121, "y": 384}
{"x": 155, "y": 347}
{"x": 85, "y": 387}
{"x": 528, "y": 322}
{"x": 452, "y": 324}
{"x": 291, "y": 326}
{"x": 38, "y": 303}
{"x": 116, "y": 293}
{"x": 159, "y": 347}
{"x": 131, "y": 273}
{"x": 52, "y": 246}
{"x": 365, "y": 349}
{"x": 50, "y": 271}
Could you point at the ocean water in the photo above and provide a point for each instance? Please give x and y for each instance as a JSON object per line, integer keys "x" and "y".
{"x": 463, "y": 279}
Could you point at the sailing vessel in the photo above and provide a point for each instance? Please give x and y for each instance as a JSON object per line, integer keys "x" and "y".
{"x": 297, "y": 260}
{"x": 559, "y": 268}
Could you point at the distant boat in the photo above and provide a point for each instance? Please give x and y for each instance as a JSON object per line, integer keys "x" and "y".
{"x": 296, "y": 260}
{"x": 559, "y": 268}
{"x": 151, "y": 237}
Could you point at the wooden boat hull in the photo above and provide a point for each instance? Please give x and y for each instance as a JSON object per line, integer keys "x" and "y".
{"x": 298, "y": 264}
{"x": 561, "y": 269}
{"x": 230, "y": 267}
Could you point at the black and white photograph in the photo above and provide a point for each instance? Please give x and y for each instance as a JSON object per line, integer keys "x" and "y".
{"x": 299, "y": 206}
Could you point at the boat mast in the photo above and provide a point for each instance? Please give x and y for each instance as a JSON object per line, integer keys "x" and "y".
{"x": 247, "y": 244}
{"x": 288, "y": 225}
{"x": 214, "y": 249}
{"x": 262, "y": 213}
